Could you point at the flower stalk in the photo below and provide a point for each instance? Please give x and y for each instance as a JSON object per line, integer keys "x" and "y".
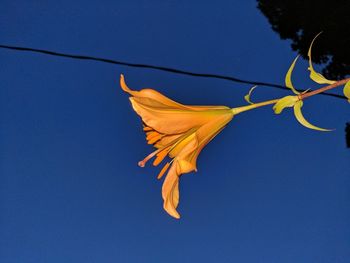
{"x": 301, "y": 96}
{"x": 323, "y": 89}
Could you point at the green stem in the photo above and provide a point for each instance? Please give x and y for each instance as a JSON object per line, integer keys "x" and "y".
{"x": 253, "y": 106}
{"x": 323, "y": 89}
{"x": 302, "y": 97}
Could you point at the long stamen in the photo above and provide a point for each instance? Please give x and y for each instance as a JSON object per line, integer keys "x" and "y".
{"x": 172, "y": 144}
{"x": 160, "y": 156}
{"x": 155, "y": 138}
{"x": 164, "y": 169}
{"x": 144, "y": 161}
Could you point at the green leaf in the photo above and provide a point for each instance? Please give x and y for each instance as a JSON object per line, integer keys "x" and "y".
{"x": 285, "y": 102}
{"x": 288, "y": 79}
{"x": 298, "y": 114}
{"x": 315, "y": 76}
{"x": 247, "y": 97}
{"x": 346, "y": 90}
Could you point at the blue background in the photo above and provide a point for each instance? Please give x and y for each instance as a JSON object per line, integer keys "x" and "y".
{"x": 267, "y": 189}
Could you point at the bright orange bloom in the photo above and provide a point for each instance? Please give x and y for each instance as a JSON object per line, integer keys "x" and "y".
{"x": 178, "y": 131}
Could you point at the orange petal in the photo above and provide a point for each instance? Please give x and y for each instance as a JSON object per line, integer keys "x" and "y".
{"x": 154, "y": 95}
{"x": 188, "y": 158}
{"x": 185, "y": 166}
{"x": 208, "y": 131}
{"x": 166, "y": 140}
{"x": 170, "y": 192}
{"x": 187, "y": 144}
{"x": 149, "y": 93}
{"x": 173, "y": 121}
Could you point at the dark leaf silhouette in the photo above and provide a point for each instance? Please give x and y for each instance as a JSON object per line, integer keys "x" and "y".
{"x": 301, "y": 20}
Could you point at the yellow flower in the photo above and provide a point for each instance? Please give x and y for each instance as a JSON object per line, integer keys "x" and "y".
{"x": 178, "y": 131}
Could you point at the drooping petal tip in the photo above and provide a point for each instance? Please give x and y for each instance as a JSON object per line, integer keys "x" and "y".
{"x": 125, "y": 87}
{"x": 315, "y": 76}
{"x": 171, "y": 211}
{"x": 288, "y": 78}
{"x": 122, "y": 83}
{"x": 247, "y": 97}
{"x": 170, "y": 191}
{"x": 299, "y": 116}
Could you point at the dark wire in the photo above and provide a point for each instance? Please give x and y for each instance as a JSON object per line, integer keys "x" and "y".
{"x": 172, "y": 70}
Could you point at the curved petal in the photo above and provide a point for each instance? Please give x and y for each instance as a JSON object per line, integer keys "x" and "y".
{"x": 285, "y": 102}
{"x": 184, "y": 146}
{"x": 288, "y": 79}
{"x": 247, "y": 97}
{"x": 171, "y": 120}
{"x": 159, "y": 98}
{"x": 204, "y": 135}
{"x": 170, "y": 192}
{"x": 185, "y": 160}
{"x": 298, "y": 114}
{"x": 166, "y": 140}
{"x": 315, "y": 76}
{"x": 150, "y": 94}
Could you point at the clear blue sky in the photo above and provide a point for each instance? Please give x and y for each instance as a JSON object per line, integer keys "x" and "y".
{"x": 267, "y": 189}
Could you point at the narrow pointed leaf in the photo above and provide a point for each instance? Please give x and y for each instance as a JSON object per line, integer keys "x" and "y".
{"x": 298, "y": 114}
{"x": 347, "y": 90}
{"x": 247, "y": 97}
{"x": 315, "y": 76}
{"x": 285, "y": 102}
{"x": 288, "y": 79}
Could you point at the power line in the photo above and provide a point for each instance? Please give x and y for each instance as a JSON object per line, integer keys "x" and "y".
{"x": 161, "y": 68}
